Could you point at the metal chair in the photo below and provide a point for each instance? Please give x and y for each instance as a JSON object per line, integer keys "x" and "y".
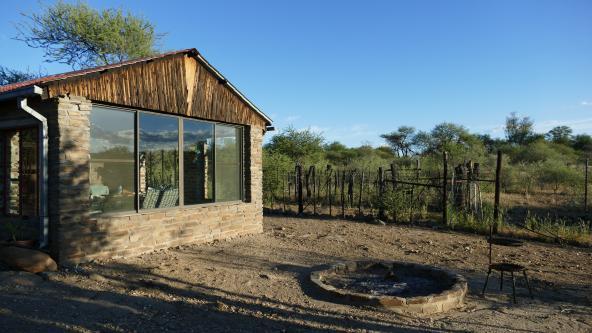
{"x": 505, "y": 266}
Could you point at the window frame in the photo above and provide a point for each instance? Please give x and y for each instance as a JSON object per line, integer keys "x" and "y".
{"x": 240, "y": 139}
{"x": 213, "y": 157}
{"x": 179, "y": 160}
{"x": 181, "y": 172}
{"x": 136, "y": 159}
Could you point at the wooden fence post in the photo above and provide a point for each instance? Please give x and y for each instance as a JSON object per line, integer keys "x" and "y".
{"x": 380, "y": 192}
{"x": 394, "y": 181}
{"x": 314, "y": 188}
{"x": 350, "y": 189}
{"x": 342, "y": 186}
{"x": 284, "y": 194}
{"x": 498, "y": 171}
{"x": 299, "y": 188}
{"x": 319, "y": 189}
{"x": 290, "y": 179}
{"x": 445, "y": 190}
{"x": 361, "y": 193}
{"x": 586, "y": 185}
{"x": 329, "y": 173}
{"x": 336, "y": 187}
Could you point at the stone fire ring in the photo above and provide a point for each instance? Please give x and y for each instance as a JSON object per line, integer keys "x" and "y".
{"x": 450, "y": 298}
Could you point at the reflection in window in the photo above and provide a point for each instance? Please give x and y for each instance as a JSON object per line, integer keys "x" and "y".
{"x": 111, "y": 160}
{"x": 228, "y": 163}
{"x": 159, "y": 161}
{"x": 198, "y": 161}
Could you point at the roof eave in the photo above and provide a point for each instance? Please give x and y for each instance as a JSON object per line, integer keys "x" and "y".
{"x": 21, "y": 92}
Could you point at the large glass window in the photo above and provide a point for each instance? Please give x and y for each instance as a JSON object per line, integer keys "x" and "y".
{"x": 198, "y": 161}
{"x": 133, "y": 170}
{"x": 112, "y": 160}
{"x": 159, "y": 161}
{"x": 228, "y": 163}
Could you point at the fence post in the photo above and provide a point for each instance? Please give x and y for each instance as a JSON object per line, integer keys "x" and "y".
{"x": 350, "y": 189}
{"x": 445, "y": 190}
{"x": 498, "y": 171}
{"x": 290, "y": 180}
{"x": 586, "y": 185}
{"x": 329, "y": 173}
{"x": 380, "y": 193}
{"x": 284, "y": 193}
{"x": 299, "y": 188}
{"x": 314, "y": 189}
{"x": 413, "y": 199}
{"x": 342, "y": 186}
{"x": 361, "y": 193}
{"x": 336, "y": 187}
{"x": 394, "y": 180}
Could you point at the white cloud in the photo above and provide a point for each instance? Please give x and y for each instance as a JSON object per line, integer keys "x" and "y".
{"x": 290, "y": 119}
{"x": 578, "y": 125}
{"x": 586, "y": 103}
{"x": 351, "y": 135}
{"x": 318, "y": 129}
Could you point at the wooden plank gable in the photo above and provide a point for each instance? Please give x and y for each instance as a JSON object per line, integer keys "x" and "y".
{"x": 176, "y": 84}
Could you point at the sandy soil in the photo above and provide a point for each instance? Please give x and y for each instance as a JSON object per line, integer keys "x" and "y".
{"x": 260, "y": 283}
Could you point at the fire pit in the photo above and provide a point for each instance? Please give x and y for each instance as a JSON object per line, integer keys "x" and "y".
{"x": 402, "y": 287}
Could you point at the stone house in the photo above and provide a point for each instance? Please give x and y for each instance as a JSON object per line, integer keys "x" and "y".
{"x": 131, "y": 157}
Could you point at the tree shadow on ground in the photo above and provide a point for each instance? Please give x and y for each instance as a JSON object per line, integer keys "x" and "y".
{"x": 139, "y": 297}
{"x": 133, "y": 299}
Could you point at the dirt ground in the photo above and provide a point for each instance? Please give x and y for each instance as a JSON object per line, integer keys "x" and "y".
{"x": 260, "y": 283}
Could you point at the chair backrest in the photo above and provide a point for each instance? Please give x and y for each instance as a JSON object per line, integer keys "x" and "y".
{"x": 169, "y": 198}
{"x": 98, "y": 190}
{"x": 151, "y": 198}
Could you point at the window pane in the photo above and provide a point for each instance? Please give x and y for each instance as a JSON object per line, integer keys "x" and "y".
{"x": 198, "y": 161}
{"x": 111, "y": 160}
{"x": 228, "y": 163}
{"x": 159, "y": 163}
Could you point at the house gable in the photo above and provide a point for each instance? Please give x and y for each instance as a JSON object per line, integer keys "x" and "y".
{"x": 178, "y": 84}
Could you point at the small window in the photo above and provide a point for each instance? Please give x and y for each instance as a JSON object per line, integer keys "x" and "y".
{"x": 158, "y": 161}
{"x": 228, "y": 163}
{"x": 112, "y": 160}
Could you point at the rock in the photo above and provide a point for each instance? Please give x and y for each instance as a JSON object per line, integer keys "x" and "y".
{"x": 48, "y": 276}
{"x": 11, "y": 279}
{"x": 28, "y": 260}
{"x": 97, "y": 277}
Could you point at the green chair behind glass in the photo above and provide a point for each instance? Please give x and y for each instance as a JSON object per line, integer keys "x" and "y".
{"x": 150, "y": 199}
{"x": 169, "y": 198}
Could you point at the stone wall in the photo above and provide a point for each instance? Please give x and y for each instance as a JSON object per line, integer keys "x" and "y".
{"x": 68, "y": 171}
{"x": 77, "y": 237}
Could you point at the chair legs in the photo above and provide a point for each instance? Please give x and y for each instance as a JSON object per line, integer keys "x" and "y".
{"x": 513, "y": 283}
{"x": 486, "y": 280}
{"x": 513, "y": 287}
{"x": 527, "y": 283}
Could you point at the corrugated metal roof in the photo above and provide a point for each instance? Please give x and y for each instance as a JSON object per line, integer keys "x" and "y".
{"x": 68, "y": 75}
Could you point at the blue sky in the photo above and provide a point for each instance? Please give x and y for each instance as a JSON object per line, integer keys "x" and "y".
{"x": 356, "y": 69}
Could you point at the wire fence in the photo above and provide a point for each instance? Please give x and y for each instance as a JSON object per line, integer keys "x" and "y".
{"x": 468, "y": 194}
